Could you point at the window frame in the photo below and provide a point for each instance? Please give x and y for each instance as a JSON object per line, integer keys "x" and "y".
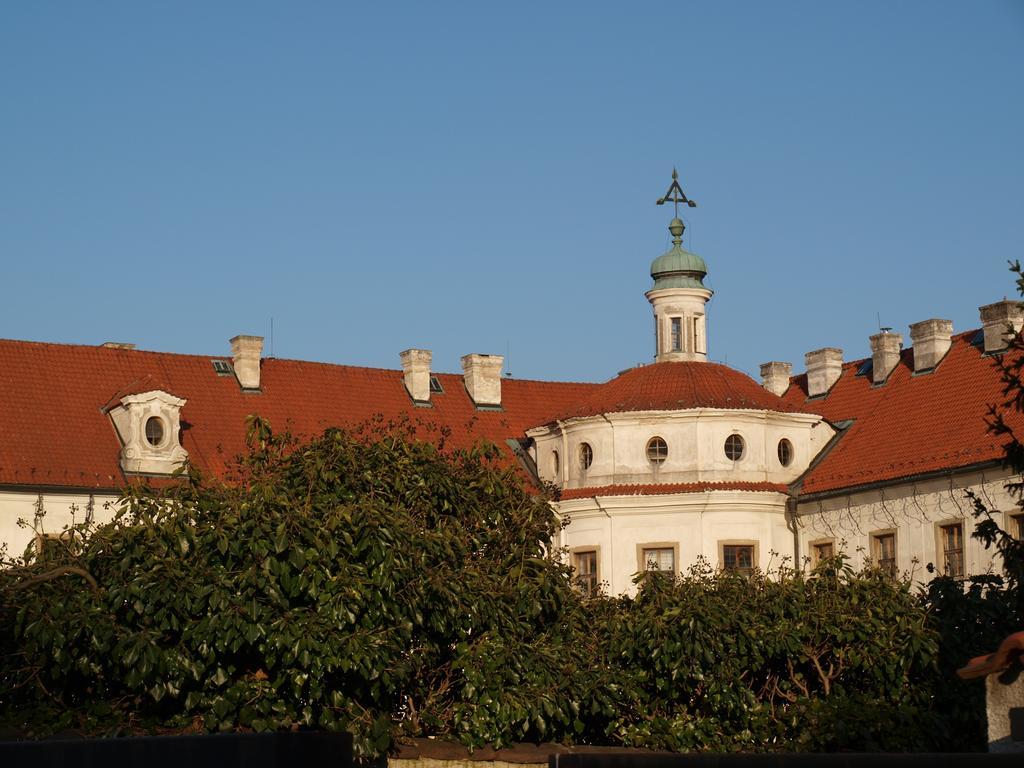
{"x": 675, "y": 334}
{"x": 594, "y": 589}
{"x": 743, "y": 447}
{"x": 875, "y": 538}
{"x": 163, "y": 431}
{"x": 791, "y": 450}
{"x": 1015, "y": 524}
{"x": 942, "y": 554}
{"x": 657, "y": 461}
{"x": 585, "y": 449}
{"x": 755, "y": 555}
{"x": 813, "y": 548}
{"x": 641, "y": 560}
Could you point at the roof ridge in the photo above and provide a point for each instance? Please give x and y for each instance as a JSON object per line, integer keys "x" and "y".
{"x": 203, "y": 356}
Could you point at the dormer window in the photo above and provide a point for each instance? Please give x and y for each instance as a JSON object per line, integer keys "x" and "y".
{"x": 148, "y": 424}
{"x": 154, "y": 431}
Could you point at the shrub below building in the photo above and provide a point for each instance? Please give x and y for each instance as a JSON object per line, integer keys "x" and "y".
{"x": 381, "y": 584}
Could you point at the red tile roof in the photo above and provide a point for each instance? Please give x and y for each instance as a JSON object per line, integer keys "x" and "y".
{"x": 911, "y": 424}
{"x": 982, "y": 666}
{"x": 53, "y": 431}
{"x": 675, "y": 386}
{"x": 659, "y": 489}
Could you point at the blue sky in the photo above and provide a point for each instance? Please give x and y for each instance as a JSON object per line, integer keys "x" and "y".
{"x": 481, "y": 177}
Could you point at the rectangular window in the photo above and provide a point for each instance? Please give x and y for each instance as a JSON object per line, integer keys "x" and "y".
{"x": 1016, "y": 527}
{"x": 738, "y": 558}
{"x": 822, "y": 550}
{"x": 883, "y": 552}
{"x": 659, "y": 559}
{"x": 584, "y": 563}
{"x": 952, "y": 537}
{"x": 677, "y": 334}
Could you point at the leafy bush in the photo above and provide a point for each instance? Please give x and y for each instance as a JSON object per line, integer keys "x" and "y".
{"x": 377, "y": 583}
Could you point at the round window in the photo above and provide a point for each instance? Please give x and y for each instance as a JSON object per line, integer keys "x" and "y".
{"x": 154, "y": 431}
{"x": 586, "y": 455}
{"x": 554, "y": 463}
{"x": 657, "y": 450}
{"x": 785, "y": 452}
{"x": 734, "y": 447}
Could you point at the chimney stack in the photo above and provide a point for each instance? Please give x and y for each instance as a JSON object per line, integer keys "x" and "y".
{"x": 824, "y": 367}
{"x": 482, "y": 377}
{"x": 885, "y": 354}
{"x": 245, "y": 357}
{"x": 997, "y": 319}
{"x": 931, "y": 339}
{"x": 416, "y": 367}
{"x": 775, "y": 376}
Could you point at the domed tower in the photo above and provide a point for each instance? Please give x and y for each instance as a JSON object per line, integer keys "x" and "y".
{"x": 679, "y": 297}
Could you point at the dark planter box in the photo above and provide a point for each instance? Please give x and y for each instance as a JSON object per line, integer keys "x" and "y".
{"x": 229, "y": 750}
{"x": 613, "y": 759}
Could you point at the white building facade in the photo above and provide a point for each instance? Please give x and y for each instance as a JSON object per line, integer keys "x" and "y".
{"x": 666, "y": 466}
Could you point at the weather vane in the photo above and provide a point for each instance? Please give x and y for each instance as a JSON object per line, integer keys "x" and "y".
{"x": 676, "y": 195}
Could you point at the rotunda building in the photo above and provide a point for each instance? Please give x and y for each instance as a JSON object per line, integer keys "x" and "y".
{"x": 679, "y": 461}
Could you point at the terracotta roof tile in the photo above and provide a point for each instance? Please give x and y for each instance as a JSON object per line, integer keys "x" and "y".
{"x": 911, "y": 424}
{"x": 674, "y": 386}
{"x": 53, "y": 431}
{"x": 659, "y": 489}
{"x": 982, "y": 666}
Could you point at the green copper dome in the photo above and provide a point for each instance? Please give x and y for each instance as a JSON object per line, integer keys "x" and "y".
{"x": 677, "y": 267}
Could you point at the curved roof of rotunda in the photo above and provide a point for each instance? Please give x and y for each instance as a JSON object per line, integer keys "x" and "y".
{"x": 677, "y": 386}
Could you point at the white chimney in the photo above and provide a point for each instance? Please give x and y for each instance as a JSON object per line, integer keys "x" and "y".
{"x": 885, "y": 354}
{"x": 482, "y": 377}
{"x": 931, "y": 339}
{"x": 416, "y": 367}
{"x": 824, "y": 367}
{"x": 997, "y": 319}
{"x": 245, "y": 357}
{"x": 775, "y": 376}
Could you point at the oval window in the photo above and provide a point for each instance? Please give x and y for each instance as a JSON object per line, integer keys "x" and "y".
{"x": 657, "y": 450}
{"x": 734, "y": 447}
{"x": 554, "y": 463}
{"x": 785, "y": 452}
{"x": 586, "y": 456}
{"x": 154, "y": 431}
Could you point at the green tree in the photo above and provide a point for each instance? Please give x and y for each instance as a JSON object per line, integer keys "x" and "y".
{"x": 366, "y": 581}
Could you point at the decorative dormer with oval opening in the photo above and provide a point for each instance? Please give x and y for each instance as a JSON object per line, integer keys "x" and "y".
{"x": 148, "y": 424}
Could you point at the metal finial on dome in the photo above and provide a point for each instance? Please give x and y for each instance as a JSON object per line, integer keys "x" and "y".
{"x": 676, "y": 227}
{"x": 676, "y": 196}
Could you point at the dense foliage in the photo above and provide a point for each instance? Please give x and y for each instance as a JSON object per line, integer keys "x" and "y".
{"x": 389, "y": 586}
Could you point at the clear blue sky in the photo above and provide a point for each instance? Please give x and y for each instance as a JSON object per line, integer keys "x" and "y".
{"x": 476, "y": 177}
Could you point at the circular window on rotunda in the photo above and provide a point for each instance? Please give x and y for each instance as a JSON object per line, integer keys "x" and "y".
{"x": 154, "y": 431}
{"x": 734, "y": 447}
{"x": 586, "y": 456}
{"x": 657, "y": 450}
{"x": 785, "y": 452}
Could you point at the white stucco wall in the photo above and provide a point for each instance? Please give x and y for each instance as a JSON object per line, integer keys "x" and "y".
{"x": 61, "y": 510}
{"x": 915, "y": 510}
{"x": 696, "y": 453}
{"x": 694, "y": 523}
